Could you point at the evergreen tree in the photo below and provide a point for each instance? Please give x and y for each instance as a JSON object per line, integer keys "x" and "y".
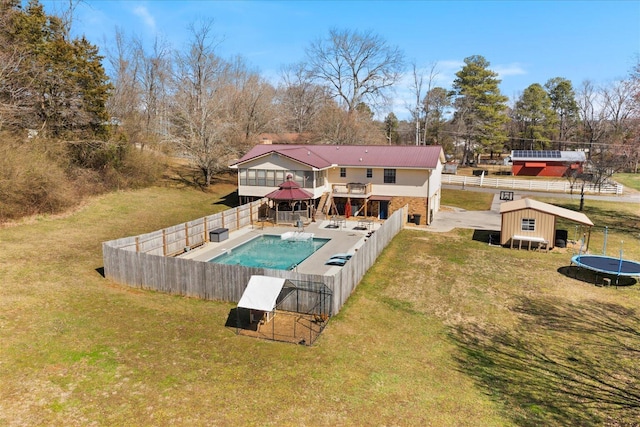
{"x": 563, "y": 102}
{"x": 63, "y": 83}
{"x": 535, "y": 118}
{"x": 391, "y": 128}
{"x": 480, "y": 107}
{"x": 435, "y": 103}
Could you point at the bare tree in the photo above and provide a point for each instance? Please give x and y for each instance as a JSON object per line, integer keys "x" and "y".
{"x": 199, "y": 121}
{"x": 357, "y": 67}
{"x": 333, "y": 126}
{"x": 591, "y": 114}
{"x": 417, "y": 109}
{"x": 251, "y": 102}
{"x": 619, "y": 107}
{"x": 299, "y": 98}
{"x": 153, "y": 80}
{"x": 125, "y": 97}
{"x": 14, "y": 87}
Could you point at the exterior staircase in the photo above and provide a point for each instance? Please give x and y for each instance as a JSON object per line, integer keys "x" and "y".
{"x": 324, "y": 203}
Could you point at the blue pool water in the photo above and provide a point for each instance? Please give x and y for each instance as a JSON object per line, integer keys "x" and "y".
{"x": 269, "y": 251}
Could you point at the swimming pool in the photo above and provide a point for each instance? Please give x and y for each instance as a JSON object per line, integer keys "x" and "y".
{"x": 271, "y": 251}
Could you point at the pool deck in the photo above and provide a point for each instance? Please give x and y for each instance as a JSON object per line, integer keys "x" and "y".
{"x": 346, "y": 238}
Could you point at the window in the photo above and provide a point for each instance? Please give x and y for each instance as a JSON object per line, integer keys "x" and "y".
{"x": 271, "y": 179}
{"x": 389, "y": 176}
{"x": 528, "y": 224}
{"x": 343, "y": 172}
{"x": 251, "y": 177}
{"x": 369, "y": 173}
{"x": 308, "y": 179}
{"x": 261, "y": 177}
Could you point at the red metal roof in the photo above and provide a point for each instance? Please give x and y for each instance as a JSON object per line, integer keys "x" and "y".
{"x": 289, "y": 190}
{"x": 324, "y": 156}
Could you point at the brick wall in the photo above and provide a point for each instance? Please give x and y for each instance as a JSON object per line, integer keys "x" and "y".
{"x": 417, "y": 205}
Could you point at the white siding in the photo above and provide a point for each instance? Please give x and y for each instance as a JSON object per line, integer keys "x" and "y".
{"x": 409, "y": 183}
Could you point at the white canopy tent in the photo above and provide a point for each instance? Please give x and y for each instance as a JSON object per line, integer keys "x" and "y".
{"x": 261, "y": 294}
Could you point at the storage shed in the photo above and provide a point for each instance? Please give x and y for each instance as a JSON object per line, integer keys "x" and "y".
{"x": 546, "y": 162}
{"x": 530, "y": 222}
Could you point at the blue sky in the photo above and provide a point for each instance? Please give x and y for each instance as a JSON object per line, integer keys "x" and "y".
{"x": 526, "y": 42}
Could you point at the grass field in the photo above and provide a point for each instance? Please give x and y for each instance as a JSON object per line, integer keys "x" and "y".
{"x": 444, "y": 330}
{"x": 629, "y": 180}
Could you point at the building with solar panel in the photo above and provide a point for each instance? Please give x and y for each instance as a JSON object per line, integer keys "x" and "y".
{"x": 546, "y": 162}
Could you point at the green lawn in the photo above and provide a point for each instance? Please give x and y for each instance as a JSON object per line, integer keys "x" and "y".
{"x": 629, "y": 180}
{"x": 469, "y": 200}
{"x": 444, "y": 330}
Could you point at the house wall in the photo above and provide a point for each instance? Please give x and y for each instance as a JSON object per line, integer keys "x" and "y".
{"x": 552, "y": 169}
{"x": 512, "y": 225}
{"x": 419, "y": 188}
{"x": 408, "y": 182}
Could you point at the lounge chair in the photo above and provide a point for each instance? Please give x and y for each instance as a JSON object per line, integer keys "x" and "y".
{"x": 336, "y": 261}
{"x": 345, "y": 256}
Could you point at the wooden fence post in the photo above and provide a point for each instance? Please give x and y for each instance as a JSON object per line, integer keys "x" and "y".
{"x": 206, "y": 235}
{"x": 137, "y": 244}
{"x": 164, "y": 242}
{"x": 186, "y": 234}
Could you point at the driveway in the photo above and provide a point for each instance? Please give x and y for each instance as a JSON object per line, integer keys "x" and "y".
{"x": 449, "y": 218}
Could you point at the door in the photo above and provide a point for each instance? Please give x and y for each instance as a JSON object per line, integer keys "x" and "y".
{"x": 384, "y": 209}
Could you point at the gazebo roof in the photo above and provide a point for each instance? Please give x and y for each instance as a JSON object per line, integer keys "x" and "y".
{"x": 289, "y": 190}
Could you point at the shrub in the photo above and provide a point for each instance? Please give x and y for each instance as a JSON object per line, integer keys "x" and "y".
{"x": 40, "y": 176}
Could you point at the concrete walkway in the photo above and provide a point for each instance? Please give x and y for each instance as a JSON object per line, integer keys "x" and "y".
{"x": 449, "y": 218}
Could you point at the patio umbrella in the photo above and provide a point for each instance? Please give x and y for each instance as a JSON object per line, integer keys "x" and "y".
{"x": 347, "y": 209}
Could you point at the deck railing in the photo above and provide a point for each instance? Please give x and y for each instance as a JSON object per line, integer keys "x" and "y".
{"x": 351, "y": 190}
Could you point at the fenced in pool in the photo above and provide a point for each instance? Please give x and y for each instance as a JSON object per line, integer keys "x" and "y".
{"x": 148, "y": 261}
{"x": 283, "y": 252}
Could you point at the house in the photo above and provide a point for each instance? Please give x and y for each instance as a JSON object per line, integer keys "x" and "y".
{"x": 530, "y": 222}
{"x": 546, "y": 162}
{"x": 358, "y": 180}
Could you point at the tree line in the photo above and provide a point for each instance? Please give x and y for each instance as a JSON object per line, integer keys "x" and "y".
{"x": 100, "y": 116}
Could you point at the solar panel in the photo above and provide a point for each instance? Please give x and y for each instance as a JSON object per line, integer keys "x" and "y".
{"x": 537, "y": 154}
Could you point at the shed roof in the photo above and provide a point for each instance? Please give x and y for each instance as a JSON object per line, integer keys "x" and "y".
{"x": 261, "y": 293}
{"x": 526, "y": 203}
{"x": 324, "y": 156}
{"x": 547, "y": 156}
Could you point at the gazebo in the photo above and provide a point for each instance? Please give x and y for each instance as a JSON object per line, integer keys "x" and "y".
{"x": 290, "y": 202}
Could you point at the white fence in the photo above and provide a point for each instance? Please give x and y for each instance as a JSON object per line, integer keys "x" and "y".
{"x": 531, "y": 185}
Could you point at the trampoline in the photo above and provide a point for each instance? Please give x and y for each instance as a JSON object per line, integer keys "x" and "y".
{"x": 607, "y": 265}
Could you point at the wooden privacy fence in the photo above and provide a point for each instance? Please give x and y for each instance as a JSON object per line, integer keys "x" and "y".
{"x": 177, "y": 239}
{"x": 530, "y": 185}
{"x": 148, "y": 262}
